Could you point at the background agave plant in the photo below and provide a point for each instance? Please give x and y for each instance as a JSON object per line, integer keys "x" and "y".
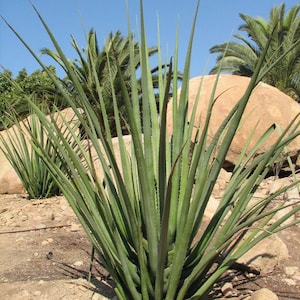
{"x": 33, "y": 173}
{"x": 144, "y": 213}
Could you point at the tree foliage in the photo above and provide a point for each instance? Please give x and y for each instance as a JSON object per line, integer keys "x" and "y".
{"x": 240, "y": 57}
{"x": 97, "y": 69}
{"x": 14, "y": 90}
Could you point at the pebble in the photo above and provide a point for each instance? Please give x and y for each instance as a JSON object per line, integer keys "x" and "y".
{"x": 75, "y": 227}
{"x": 37, "y": 293}
{"x": 24, "y": 218}
{"x": 227, "y": 289}
{"x": 263, "y": 294}
{"x": 9, "y": 216}
{"x": 290, "y": 271}
{"x": 297, "y": 276}
{"x": 289, "y": 281}
{"x": 26, "y": 293}
{"x": 101, "y": 297}
{"x": 21, "y": 239}
{"x": 81, "y": 287}
{"x": 44, "y": 243}
{"x": 3, "y": 210}
{"x": 78, "y": 263}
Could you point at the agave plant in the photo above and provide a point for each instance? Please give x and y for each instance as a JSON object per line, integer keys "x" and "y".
{"x": 29, "y": 166}
{"x": 143, "y": 211}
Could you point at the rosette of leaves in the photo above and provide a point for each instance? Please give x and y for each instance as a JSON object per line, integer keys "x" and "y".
{"x": 144, "y": 212}
{"x": 15, "y": 143}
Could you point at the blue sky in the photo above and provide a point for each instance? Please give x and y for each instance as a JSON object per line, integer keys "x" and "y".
{"x": 217, "y": 21}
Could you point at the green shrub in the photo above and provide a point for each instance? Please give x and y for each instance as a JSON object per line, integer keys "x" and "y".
{"x": 144, "y": 214}
{"x": 29, "y": 166}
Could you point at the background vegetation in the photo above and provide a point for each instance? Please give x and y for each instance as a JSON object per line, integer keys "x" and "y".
{"x": 40, "y": 86}
{"x": 13, "y": 92}
{"x": 240, "y": 57}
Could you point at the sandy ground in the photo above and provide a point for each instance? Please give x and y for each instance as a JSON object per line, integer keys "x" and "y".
{"x": 45, "y": 254}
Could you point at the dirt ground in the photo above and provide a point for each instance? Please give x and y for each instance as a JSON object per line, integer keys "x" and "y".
{"x": 44, "y": 254}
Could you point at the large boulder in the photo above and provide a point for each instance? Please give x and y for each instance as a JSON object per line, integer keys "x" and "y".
{"x": 267, "y": 105}
{"x": 117, "y": 154}
{"x": 9, "y": 180}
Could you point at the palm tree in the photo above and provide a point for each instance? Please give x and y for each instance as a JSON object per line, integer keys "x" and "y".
{"x": 241, "y": 57}
{"x": 115, "y": 52}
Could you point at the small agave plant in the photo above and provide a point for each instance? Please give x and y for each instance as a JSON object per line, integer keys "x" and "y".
{"x": 15, "y": 145}
{"x": 145, "y": 211}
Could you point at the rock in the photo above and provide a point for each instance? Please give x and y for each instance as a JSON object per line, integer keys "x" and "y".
{"x": 289, "y": 281}
{"x": 290, "y": 197}
{"x": 37, "y": 293}
{"x": 115, "y": 144}
{"x": 211, "y": 207}
{"x": 263, "y": 294}
{"x": 293, "y": 195}
{"x": 78, "y": 263}
{"x": 9, "y": 180}
{"x": 267, "y": 105}
{"x": 97, "y": 297}
{"x": 277, "y": 184}
{"x": 266, "y": 254}
{"x": 227, "y": 289}
{"x": 291, "y": 271}
{"x": 221, "y": 183}
{"x": 75, "y": 227}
